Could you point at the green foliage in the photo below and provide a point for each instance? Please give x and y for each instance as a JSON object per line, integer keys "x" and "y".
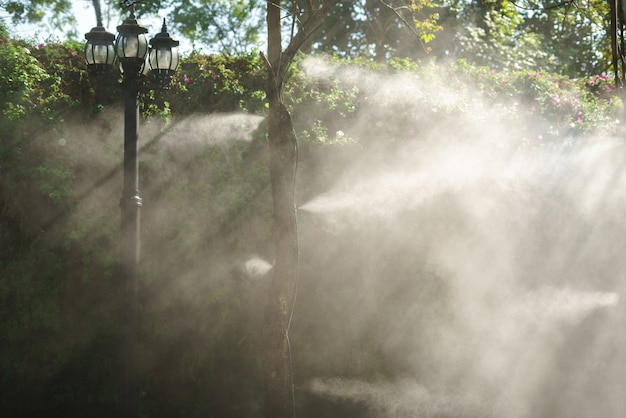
{"x": 516, "y": 36}
{"x": 216, "y": 83}
{"x": 223, "y": 26}
{"x": 425, "y": 19}
{"x": 25, "y": 84}
{"x": 563, "y": 107}
{"x": 32, "y": 98}
{"x": 326, "y": 108}
{"x": 4, "y": 33}
{"x": 567, "y": 107}
{"x": 38, "y": 186}
{"x": 56, "y": 13}
{"x": 497, "y": 37}
{"x": 570, "y": 38}
{"x": 377, "y": 31}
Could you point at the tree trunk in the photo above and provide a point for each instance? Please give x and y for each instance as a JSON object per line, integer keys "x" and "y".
{"x": 279, "y": 394}
{"x": 98, "y": 10}
{"x": 283, "y": 156}
{"x": 613, "y": 18}
{"x": 279, "y": 397}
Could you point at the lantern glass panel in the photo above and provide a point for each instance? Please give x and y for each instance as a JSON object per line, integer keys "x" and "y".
{"x": 101, "y": 54}
{"x": 89, "y": 53}
{"x": 159, "y": 58}
{"x": 133, "y": 45}
{"x": 174, "y": 64}
{"x": 164, "y": 58}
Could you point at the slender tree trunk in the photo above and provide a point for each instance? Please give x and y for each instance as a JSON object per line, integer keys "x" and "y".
{"x": 620, "y": 13}
{"x": 614, "y": 40}
{"x": 98, "y": 10}
{"x": 279, "y": 400}
{"x": 279, "y": 397}
{"x": 279, "y": 393}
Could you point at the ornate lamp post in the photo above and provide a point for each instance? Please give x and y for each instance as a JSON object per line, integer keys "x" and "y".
{"x": 135, "y": 55}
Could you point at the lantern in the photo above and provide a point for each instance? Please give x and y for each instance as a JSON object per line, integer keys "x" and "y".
{"x": 99, "y": 50}
{"x": 131, "y": 45}
{"x": 163, "y": 55}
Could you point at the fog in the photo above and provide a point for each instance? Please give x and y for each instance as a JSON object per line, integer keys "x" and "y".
{"x": 481, "y": 267}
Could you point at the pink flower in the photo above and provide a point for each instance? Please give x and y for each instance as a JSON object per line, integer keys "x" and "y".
{"x": 41, "y": 46}
{"x": 579, "y": 117}
{"x": 556, "y": 99}
{"x": 186, "y": 80}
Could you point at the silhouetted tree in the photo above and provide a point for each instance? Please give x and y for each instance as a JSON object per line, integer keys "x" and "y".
{"x": 279, "y": 401}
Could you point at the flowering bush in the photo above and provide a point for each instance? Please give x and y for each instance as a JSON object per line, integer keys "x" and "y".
{"x": 545, "y": 106}
{"x": 563, "y": 107}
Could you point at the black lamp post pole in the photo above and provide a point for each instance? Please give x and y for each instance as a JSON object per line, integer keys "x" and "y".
{"x": 130, "y": 248}
{"x": 131, "y": 48}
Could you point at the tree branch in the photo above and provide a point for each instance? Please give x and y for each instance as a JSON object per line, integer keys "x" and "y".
{"x": 307, "y": 28}
{"x": 544, "y": 9}
{"x": 409, "y": 26}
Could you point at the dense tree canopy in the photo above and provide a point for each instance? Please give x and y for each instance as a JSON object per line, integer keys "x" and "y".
{"x": 570, "y": 37}
{"x": 230, "y": 26}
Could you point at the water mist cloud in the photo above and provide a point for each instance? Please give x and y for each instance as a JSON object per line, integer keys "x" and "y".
{"x": 212, "y": 129}
{"x": 404, "y": 398}
{"x": 549, "y": 303}
{"x": 489, "y": 268}
{"x": 256, "y": 267}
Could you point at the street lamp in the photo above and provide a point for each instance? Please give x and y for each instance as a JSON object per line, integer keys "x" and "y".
{"x": 135, "y": 55}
